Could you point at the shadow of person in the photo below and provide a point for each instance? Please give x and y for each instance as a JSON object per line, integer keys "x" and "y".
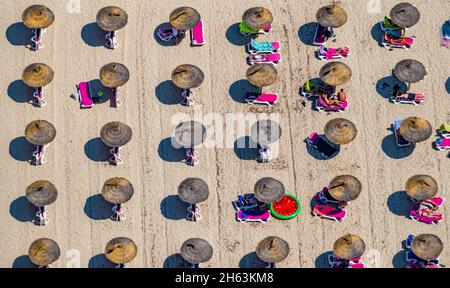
{"x": 169, "y": 153}
{"x": 307, "y": 32}
{"x": 245, "y": 148}
{"x": 377, "y": 34}
{"x": 390, "y": 148}
{"x": 97, "y": 208}
{"x": 235, "y": 37}
{"x": 172, "y": 42}
{"x": 20, "y": 92}
{"x": 93, "y": 35}
{"x": 168, "y": 93}
{"x": 399, "y": 259}
{"x": 22, "y": 210}
{"x": 21, "y": 150}
{"x": 385, "y": 86}
{"x": 322, "y": 260}
{"x": 23, "y": 262}
{"x": 238, "y": 90}
{"x": 19, "y": 35}
{"x": 96, "y": 150}
{"x": 251, "y": 260}
{"x": 173, "y": 208}
{"x": 399, "y": 203}
{"x": 100, "y": 261}
{"x": 176, "y": 261}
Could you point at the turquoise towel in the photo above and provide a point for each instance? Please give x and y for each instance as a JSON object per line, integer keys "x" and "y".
{"x": 262, "y": 46}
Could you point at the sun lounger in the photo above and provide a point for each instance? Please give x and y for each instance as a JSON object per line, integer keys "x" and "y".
{"x": 442, "y": 143}
{"x": 39, "y": 154}
{"x": 38, "y": 96}
{"x": 247, "y": 31}
{"x": 325, "y": 53}
{"x": 116, "y": 157}
{"x": 84, "y": 95}
{"x": 312, "y": 89}
{"x": 400, "y": 141}
{"x": 322, "y": 106}
{"x": 167, "y": 34}
{"x": 433, "y": 203}
{"x": 191, "y": 159}
{"x": 193, "y": 213}
{"x": 246, "y": 201}
{"x": 41, "y": 216}
{"x": 253, "y": 215}
{"x": 258, "y": 98}
{"x": 269, "y": 58}
{"x": 317, "y": 142}
{"x": 391, "y": 41}
{"x": 415, "y": 98}
{"x": 322, "y": 35}
{"x": 335, "y": 260}
{"x": 329, "y": 212}
{"x": 187, "y": 97}
{"x": 265, "y": 155}
{"x": 118, "y": 213}
{"x": 388, "y": 26}
{"x": 425, "y": 216}
{"x": 444, "y": 130}
{"x": 112, "y": 40}
{"x": 255, "y": 47}
{"x": 198, "y": 35}
{"x": 38, "y": 39}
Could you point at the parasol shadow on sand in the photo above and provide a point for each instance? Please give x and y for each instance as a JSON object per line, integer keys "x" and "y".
{"x": 173, "y": 208}
{"x": 399, "y": 259}
{"x": 19, "y": 35}
{"x": 251, "y": 260}
{"x": 377, "y": 34}
{"x": 21, "y": 150}
{"x": 19, "y": 92}
{"x": 319, "y": 156}
{"x": 22, "y": 210}
{"x": 385, "y": 86}
{"x": 23, "y": 262}
{"x": 447, "y": 85}
{"x": 322, "y": 260}
{"x": 176, "y": 261}
{"x": 399, "y": 203}
{"x": 93, "y": 35}
{"x": 168, "y": 93}
{"x": 235, "y": 37}
{"x": 390, "y": 148}
{"x": 168, "y": 43}
{"x": 168, "y": 153}
{"x": 100, "y": 261}
{"x": 96, "y": 150}
{"x": 239, "y": 89}
{"x": 306, "y": 33}
{"x": 245, "y": 149}
{"x": 96, "y": 208}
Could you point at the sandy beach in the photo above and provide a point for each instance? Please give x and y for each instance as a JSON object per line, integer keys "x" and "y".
{"x": 79, "y": 219}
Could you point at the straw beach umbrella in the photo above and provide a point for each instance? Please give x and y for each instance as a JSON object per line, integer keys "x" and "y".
{"x": 269, "y": 190}
{"x": 40, "y": 132}
{"x": 405, "y": 15}
{"x": 262, "y": 75}
{"x": 427, "y": 246}
{"x": 189, "y": 134}
{"x": 340, "y": 131}
{"x": 349, "y": 247}
{"x": 421, "y": 187}
{"x": 415, "y": 129}
{"x": 410, "y": 71}
{"x": 112, "y": 18}
{"x": 333, "y": 16}
{"x": 114, "y": 75}
{"x": 120, "y": 250}
{"x": 37, "y": 75}
{"x": 117, "y": 190}
{"x": 41, "y": 193}
{"x": 116, "y": 134}
{"x": 193, "y": 191}
{"x": 184, "y": 18}
{"x": 265, "y": 132}
{"x": 257, "y": 18}
{"x": 187, "y": 76}
{"x": 196, "y": 251}
{"x": 345, "y": 188}
{"x": 272, "y": 249}
{"x": 335, "y": 73}
{"x": 38, "y": 17}
{"x": 43, "y": 252}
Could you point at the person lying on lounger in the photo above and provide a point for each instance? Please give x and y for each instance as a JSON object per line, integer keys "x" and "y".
{"x": 342, "y": 97}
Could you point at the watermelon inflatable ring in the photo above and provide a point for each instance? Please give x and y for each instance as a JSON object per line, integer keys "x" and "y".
{"x": 287, "y": 208}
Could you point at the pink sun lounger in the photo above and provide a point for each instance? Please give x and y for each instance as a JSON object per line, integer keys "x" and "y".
{"x": 38, "y": 39}
{"x": 433, "y": 203}
{"x": 39, "y": 154}
{"x": 415, "y": 214}
{"x": 251, "y": 216}
{"x": 256, "y": 98}
{"x": 269, "y": 58}
{"x": 398, "y": 42}
{"x": 442, "y": 143}
{"x": 84, "y": 95}
{"x": 329, "y": 212}
{"x": 325, "y": 53}
{"x": 322, "y": 106}
{"x": 198, "y": 35}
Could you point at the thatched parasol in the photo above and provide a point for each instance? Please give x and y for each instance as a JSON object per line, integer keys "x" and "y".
{"x": 40, "y": 132}
{"x": 184, "y": 18}
{"x": 421, "y": 187}
{"x": 333, "y": 16}
{"x": 187, "y": 76}
{"x": 43, "y": 252}
{"x": 427, "y": 246}
{"x": 120, "y": 250}
{"x": 262, "y": 75}
{"x": 257, "y": 18}
{"x": 349, "y": 247}
{"x": 41, "y": 193}
{"x": 193, "y": 191}
{"x": 345, "y": 188}
{"x": 410, "y": 71}
{"x": 269, "y": 190}
{"x": 335, "y": 73}
{"x": 272, "y": 249}
{"x": 116, "y": 134}
{"x": 189, "y": 134}
{"x": 37, "y": 17}
{"x": 114, "y": 75}
{"x": 405, "y": 15}
{"x": 37, "y": 75}
{"x": 117, "y": 190}
{"x": 415, "y": 129}
{"x": 112, "y": 18}
{"x": 196, "y": 250}
{"x": 340, "y": 131}
{"x": 265, "y": 132}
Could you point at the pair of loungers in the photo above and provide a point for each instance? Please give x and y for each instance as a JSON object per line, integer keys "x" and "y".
{"x": 37, "y": 39}
{"x": 321, "y": 144}
{"x": 313, "y": 90}
{"x": 197, "y": 34}
{"x": 39, "y": 97}
{"x": 263, "y": 52}
{"x": 399, "y": 140}
{"x": 325, "y": 53}
{"x": 87, "y": 98}
{"x": 443, "y": 141}
{"x": 336, "y": 262}
{"x": 327, "y": 208}
{"x": 39, "y": 155}
{"x": 413, "y": 261}
{"x": 248, "y": 209}
{"x": 191, "y": 157}
{"x": 393, "y": 37}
